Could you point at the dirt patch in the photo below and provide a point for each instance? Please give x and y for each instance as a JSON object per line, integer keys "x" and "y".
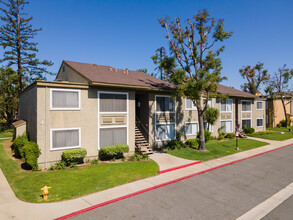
{"x": 205, "y": 150}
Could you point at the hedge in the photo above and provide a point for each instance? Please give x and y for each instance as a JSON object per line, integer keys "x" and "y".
{"x": 74, "y": 155}
{"x": 172, "y": 145}
{"x": 18, "y": 145}
{"x": 31, "y": 153}
{"x": 191, "y": 143}
{"x": 248, "y": 130}
{"x": 113, "y": 151}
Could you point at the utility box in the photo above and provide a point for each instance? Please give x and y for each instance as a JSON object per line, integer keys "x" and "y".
{"x": 19, "y": 128}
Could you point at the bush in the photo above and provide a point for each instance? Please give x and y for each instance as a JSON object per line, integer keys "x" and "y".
{"x": 172, "y": 145}
{"x": 61, "y": 165}
{"x": 74, "y": 156}
{"x": 230, "y": 135}
{"x": 113, "y": 151}
{"x": 283, "y": 123}
{"x": 207, "y": 135}
{"x": 191, "y": 143}
{"x": 31, "y": 153}
{"x": 263, "y": 133}
{"x": 18, "y": 145}
{"x": 279, "y": 125}
{"x": 248, "y": 130}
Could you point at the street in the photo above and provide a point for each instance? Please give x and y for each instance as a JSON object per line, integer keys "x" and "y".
{"x": 225, "y": 193}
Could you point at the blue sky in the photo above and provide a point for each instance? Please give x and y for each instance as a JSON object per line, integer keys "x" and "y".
{"x": 125, "y": 34}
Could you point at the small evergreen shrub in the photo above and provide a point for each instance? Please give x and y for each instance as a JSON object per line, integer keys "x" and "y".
{"x": 191, "y": 143}
{"x": 61, "y": 165}
{"x": 283, "y": 123}
{"x": 248, "y": 130}
{"x": 94, "y": 161}
{"x": 145, "y": 156}
{"x": 172, "y": 145}
{"x": 113, "y": 151}
{"x": 31, "y": 153}
{"x": 74, "y": 155}
{"x": 18, "y": 145}
{"x": 230, "y": 135}
{"x": 279, "y": 125}
{"x": 207, "y": 135}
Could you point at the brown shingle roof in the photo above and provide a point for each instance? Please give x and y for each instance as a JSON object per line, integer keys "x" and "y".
{"x": 109, "y": 75}
{"x": 18, "y": 123}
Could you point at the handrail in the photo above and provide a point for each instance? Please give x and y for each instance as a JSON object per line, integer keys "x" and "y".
{"x": 144, "y": 128}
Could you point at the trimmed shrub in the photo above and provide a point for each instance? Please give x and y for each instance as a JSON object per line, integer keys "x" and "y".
{"x": 74, "y": 155}
{"x": 283, "y": 123}
{"x": 230, "y": 135}
{"x": 172, "y": 145}
{"x": 207, "y": 135}
{"x": 191, "y": 143}
{"x": 18, "y": 145}
{"x": 113, "y": 151}
{"x": 31, "y": 153}
{"x": 248, "y": 130}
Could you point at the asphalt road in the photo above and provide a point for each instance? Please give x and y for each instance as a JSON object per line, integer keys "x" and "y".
{"x": 225, "y": 193}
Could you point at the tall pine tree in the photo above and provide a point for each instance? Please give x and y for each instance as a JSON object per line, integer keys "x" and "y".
{"x": 16, "y": 33}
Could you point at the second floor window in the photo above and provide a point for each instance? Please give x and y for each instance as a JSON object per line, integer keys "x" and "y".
{"x": 226, "y": 106}
{"x": 246, "y": 106}
{"x": 165, "y": 104}
{"x": 65, "y": 99}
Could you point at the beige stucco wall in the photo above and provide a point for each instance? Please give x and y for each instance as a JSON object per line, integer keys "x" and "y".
{"x": 70, "y": 75}
{"x": 28, "y": 111}
{"x": 86, "y": 119}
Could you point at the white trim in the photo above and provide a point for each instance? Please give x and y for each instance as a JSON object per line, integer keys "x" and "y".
{"x": 117, "y": 113}
{"x": 193, "y": 108}
{"x": 226, "y": 108}
{"x": 250, "y": 105}
{"x": 261, "y": 105}
{"x": 262, "y": 122}
{"x": 190, "y": 122}
{"x": 171, "y": 123}
{"x": 64, "y": 109}
{"x": 228, "y": 120}
{"x": 64, "y": 129}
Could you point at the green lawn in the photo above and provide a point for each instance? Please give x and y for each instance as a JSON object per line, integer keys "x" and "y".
{"x": 280, "y": 129}
{"x": 277, "y": 136}
{"x": 71, "y": 183}
{"x": 217, "y": 150}
{"x": 6, "y": 132}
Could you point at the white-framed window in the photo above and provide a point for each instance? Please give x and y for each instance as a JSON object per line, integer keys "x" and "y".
{"x": 267, "y": 119}
{"x": 209, "y": 102}
{"x": 189, "y": 105}
{"x": 65, "y": 99}
{"x": 65, "y": 138}
{"x": 165, "y": 104}
{"x": 228, "y": 126}
{"x": 246, "y": 123}
{"x": 165, "y": 132}
{"x": 207, "y": 126}
{"x": 113, "y": 136}
{"x": 246, "y": 105}
{"x": 113, "y": 102}
{"x": 259, "y": 105}
{"x": 191, "y": 128}
{"x": 226, "y": 106}
{"x": 259, "y": 122}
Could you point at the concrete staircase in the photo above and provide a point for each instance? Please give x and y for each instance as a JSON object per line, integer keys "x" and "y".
{"x": 142, "y": 146}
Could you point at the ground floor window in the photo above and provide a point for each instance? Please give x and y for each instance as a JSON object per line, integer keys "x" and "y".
{"x": 259, "y": 122}
{"x": 113, "y": 136}
{"x": 165, "y": 132}
{"x": 65, "y": 138}
{"x": 227, "y": 126}
{"x": 207, "y": 126}
{"x": 191, "y": 128}
{"x": 246, "y": 123}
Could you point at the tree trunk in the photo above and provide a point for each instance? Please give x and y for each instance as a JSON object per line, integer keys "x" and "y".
{"x": 18, "y": 51}
{"x": 201, "y": 142}
{"x": 285, "y": 112}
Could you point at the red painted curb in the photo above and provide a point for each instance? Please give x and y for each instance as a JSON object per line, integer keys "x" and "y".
{"x": 179, "y": 167}
{"x": 160, "y": 185}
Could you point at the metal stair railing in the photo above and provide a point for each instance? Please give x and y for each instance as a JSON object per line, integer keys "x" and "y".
{"x": 144, "y": 128}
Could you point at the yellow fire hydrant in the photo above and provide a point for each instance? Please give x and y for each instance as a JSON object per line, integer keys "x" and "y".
{"x": 45, "y": 191}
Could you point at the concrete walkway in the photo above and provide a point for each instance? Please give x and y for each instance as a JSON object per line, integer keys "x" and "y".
{"x": 167, "y": 161}
{"x": 13, "y": 208}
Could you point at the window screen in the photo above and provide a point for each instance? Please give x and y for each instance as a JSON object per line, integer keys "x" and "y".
{"x": 189, "y": 104}
{"x": 65, "y": 138}
{"x": 246, "y": 106}
{"x": 165, "y": 104}
{"x": 191, "y": 128}
{"x": 246, "y": 123}
{"x": 65, "y": 99}
{"x": 207, "y": 126}
{"x": 112, "y": 136}
{"x": 259, "y": 122}
{"x": 113, "y": 102}
{"x": 228, "y": 126}
{"x": 258, "y": 105}
{"x": 226, "y": 106}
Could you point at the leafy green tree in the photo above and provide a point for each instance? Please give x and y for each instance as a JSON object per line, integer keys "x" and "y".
{"x": 211, "y": 115}
{"x": 255, "y": 76}
{"x": 8, "y": 94}
{"x": 16, "y": 33}
{"x": 278, "y": 86}
{"x": 144, "y": 70}
{"x": 192, "y": 44}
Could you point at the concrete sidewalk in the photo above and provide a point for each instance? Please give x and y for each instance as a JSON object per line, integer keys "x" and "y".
{"x": 11, "y": 207}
